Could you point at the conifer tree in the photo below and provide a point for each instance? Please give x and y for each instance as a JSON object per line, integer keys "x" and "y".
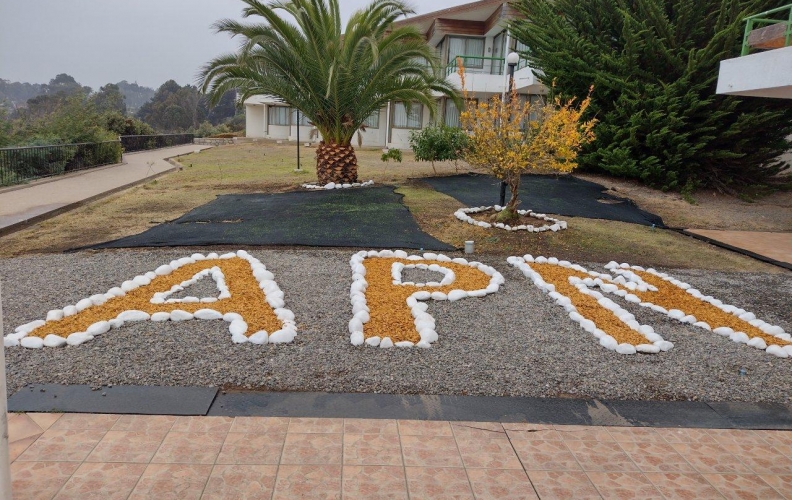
{"x": 654, "y": 67}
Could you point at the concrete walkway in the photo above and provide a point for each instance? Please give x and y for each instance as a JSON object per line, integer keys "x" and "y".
{"x": 776, "y": 246}
{"x": 50, "y": 197}
{"x": 82, "y": 456}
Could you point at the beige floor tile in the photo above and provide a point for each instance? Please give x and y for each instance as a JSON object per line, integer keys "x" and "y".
{"x": 144, "y": 423}
{"x": 532, "y": 432}
{"x": 777, "y": 437}
{"x": 762, "y": 459}
{"x": 240, "y": 482}
{"x": 635, "y": 435}
{"x": 62, "y": 446}
{"x": 92, "y": 421}
{"x": 731, "y": 436}
{"x": 424, "y": 428}
{"x": 782, "y": 484}
{"x": 312, "y": 449}
{"x": 18, "y": 447}
{"x": 171, "y": 482}
{"x": 372, "y": 449}
{"x": 482, "y": 430}
{"x": 430, "y": 451}
{"x": 189, "y": 448}
{"x": 202, "y": 424}
{"x": 428, "y": 483}
{"x": 676, "y": 486}
{"x": 374, "y": 482}
{"x": 370, "y": 426}
{"x": 253, "y": 449}
{"x": 316, "y": 425}
{"x": 672, "y": 436}
{"x": 711, "y": 458}
{"x": 45, "y": 420}
{"x": 261, "y": 425}
{"x": 40, "y": 480}
{"x": 742, "y": 486}
{"x": 656, "y": 457}
{"x": 545, "y": 455}
{"x": 583, "y": 433}
{"x": 501, "y": 484}
{"x": 102, "y": 482}
{"x": 308, "y": 481}
{"x": 21, "y": 426}
{"x": 563, "y": 485}
{"x": 601, "y": 456}
{"x": 125, "y": 446}
{"x": 624, "y": 485}
{"x": 488, "y": 453}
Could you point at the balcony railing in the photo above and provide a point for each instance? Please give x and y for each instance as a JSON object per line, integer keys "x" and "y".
{"x": 477, "y": 65}
{"x": 771, "y": 29}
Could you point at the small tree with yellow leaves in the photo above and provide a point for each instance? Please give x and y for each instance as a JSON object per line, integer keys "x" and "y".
{"x": 515, "y": 136}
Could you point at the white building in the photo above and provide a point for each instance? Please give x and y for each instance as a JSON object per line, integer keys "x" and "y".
{"x": 764, "y": 68}
{"x": 475, "y": 31}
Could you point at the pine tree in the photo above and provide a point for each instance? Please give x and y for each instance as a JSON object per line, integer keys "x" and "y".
{"x": 654, "y": 67}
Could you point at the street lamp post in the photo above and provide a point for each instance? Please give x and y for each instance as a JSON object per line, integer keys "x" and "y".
{"x": 511, "y": 60}
{"x": 298, "y": 140}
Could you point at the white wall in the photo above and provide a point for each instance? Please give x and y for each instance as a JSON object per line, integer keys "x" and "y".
{"x": 764, "y": 74}
{"x": 400, "y": 137}
{"x": 279, "y": 132}
{"x": 254, "y": 120}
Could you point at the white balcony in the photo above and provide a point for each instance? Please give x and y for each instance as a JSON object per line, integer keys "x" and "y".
{"x": 486, "y": 75}
{"x": 764, "y": 74}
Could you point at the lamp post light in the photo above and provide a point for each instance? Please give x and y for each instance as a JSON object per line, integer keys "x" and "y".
{"x": 511, "y": 60}
{"x": 298, "y": 140}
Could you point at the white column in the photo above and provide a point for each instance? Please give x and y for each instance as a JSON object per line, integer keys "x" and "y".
{"x": 387, "y": 124}
{"x": 5, "y": 468}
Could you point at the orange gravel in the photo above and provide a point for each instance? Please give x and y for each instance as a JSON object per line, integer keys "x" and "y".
{"x": 390, "y": 316}
{"x": 247, "y": 299}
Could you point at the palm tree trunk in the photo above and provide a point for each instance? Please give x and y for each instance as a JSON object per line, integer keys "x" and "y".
{"x": 336, "y": 163}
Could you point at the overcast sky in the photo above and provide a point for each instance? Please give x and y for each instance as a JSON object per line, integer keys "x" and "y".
{"x": 103, "y": 41}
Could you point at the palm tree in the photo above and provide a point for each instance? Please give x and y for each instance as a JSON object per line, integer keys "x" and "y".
{"x": 334, "y": 75}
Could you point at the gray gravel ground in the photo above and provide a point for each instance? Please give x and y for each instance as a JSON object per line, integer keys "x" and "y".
{"x": 513, "y": 343}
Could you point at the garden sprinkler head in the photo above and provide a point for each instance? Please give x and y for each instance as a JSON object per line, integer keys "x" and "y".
{"x": 470, "y": 247}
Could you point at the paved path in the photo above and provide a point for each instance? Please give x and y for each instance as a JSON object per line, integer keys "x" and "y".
{"x": 49, "y": 196}
{"x": 777, "y": 246}
{"x": 113, "y": 456}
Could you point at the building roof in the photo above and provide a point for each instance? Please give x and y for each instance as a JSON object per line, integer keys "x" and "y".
{"x": 481, "y": 11}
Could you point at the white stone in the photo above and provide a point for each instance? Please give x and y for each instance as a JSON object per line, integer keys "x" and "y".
{"x": 78, "y": 338}
{"x": 98, "y": 328}
{"x": 10, "y": 341}
{"x": 55, "y": 315}
{"x": 160, "y": 316}
{"x": 32, "y": 342}
{"x": 625, "y": 349}
{"x": 608, "y": 342}
{"x": 664, "y": 345}
{"x": 386, "y": 343}
{"x": 373, "y": 341}
{"x": 238, "y": 327}
{"x": 739, "y": 337}
{"x": 259, "y": 338}
{"x": 83, "y": 304}
{"x": 207, "y": 314}
{"x": 238, "y": 338}
{"x": 771, "y": 349}
{"x": 54, "y": 341}
{"x": 179, "y": 315}
{"x": 676, "y": 314}
{"x": 647, "y": 348}
{"x": 141, "y": 280}
{"x": 423, "y": 344}
{"x": 404, "y": 343}
{"x": 723, "y": 330}
{"x": 282, "y": 336}
{"x": 357, "y": 338}
{"x": 758, "y": 343}
{"x": 133, "y": 316}
{"x": 455, "y": 295}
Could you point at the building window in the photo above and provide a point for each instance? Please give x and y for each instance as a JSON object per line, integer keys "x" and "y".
{"x": 451, "y": 113}
{"x": 278, "y": 115}
{"x": 404, "y": 118}
{"x": 304, "y": 121}
{"x": 472, "y": 50}
{"x": 373, "y": 120}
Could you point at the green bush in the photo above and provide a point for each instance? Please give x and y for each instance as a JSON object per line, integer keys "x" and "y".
{"x": 438, "y": 143}
{"x": 392, "y": 154}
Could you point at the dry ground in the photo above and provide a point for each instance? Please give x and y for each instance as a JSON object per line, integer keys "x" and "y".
{"x": 268, "y": 167}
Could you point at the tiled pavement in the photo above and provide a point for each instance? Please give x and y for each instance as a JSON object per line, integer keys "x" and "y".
{"x": 121, "y": 456}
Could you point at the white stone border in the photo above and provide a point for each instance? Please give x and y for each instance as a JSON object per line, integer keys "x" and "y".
{"x": 557, "y": 225}
{"x": 424, "y": 322}
{"x": 655, "y": 343}
{"x": 625, "y": 271}
{"x": 237, "y": 327}
{"x": 333, "y": 185}
{"x": 217, "y": 276}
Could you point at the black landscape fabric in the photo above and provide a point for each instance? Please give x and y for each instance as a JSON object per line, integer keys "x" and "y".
{"x": 562, "y": 195}
{"x": 364, "y": 217}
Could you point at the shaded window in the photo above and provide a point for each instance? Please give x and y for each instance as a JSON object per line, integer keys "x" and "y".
{"x": 404, "y": 118}
{"x": 451, "y": 113}
{"x": 373, "y": 120}
{"x": 471, "y": 49}
{"x": 278, "y": 115}
{"x": 304, "y": 121}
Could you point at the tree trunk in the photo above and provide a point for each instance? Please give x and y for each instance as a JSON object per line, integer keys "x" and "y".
{"x": 336, "y": 163}
{"x": 509, "y": 213}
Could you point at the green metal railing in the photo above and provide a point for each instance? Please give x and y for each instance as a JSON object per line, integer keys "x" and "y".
{"x": 477, "y": 64}
{"x": 783, "y": 16}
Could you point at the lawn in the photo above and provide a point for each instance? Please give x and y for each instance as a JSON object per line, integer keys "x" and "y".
{"x": 269, "y": 167}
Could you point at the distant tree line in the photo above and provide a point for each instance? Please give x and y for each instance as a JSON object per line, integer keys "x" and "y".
{"x": 63, "y": 111}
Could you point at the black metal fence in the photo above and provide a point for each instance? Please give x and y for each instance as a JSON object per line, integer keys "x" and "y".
{"x": 19, "y": 165}
{"x": 143, "y": 142}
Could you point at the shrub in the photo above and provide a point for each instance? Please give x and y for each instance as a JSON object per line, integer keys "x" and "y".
{"x": 392, "y": 154}
{"x": 438, "y": 143}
